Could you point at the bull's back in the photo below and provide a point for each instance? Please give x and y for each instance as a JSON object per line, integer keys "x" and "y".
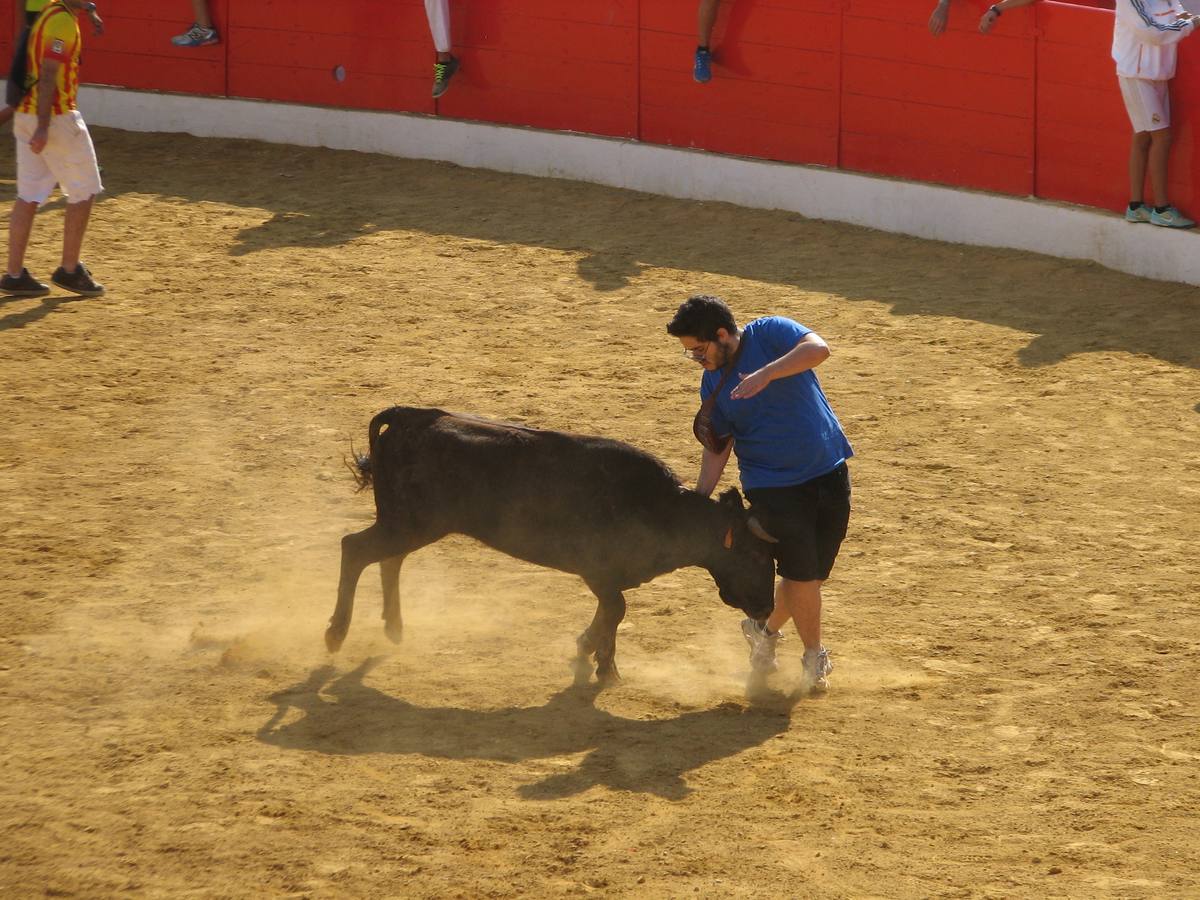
{"x": 567, "y": 501}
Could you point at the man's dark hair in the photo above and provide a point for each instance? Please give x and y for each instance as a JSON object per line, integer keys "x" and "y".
{"x": 700, "y": 316}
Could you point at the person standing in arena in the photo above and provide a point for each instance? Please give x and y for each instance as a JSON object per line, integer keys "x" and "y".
{"x": 53, "y": 147}
{"x": 438, "y": 14}
{"x": 762, "y": 401}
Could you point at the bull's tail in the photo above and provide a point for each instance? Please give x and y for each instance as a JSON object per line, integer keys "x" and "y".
{"x": 359, "y": 464}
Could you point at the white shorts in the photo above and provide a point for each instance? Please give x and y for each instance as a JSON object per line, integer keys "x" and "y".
{"x": 68, "y": 160}
{"x": 1147, "y": 102}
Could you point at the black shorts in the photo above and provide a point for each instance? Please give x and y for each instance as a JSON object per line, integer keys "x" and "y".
{"x": 809, "y": 520}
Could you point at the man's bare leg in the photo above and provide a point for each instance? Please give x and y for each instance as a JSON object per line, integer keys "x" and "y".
{"x": 799, "y": 601}
{"x": 706, "y": 17}
{"x": 20, "y": 226}
{"x": 1139, "y": 151}
{"x": 200, "y": 13}
{"x": 74, "y": 228}
{"x": 1160, "y": 152}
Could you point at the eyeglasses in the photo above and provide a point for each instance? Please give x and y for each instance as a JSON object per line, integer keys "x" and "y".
{"x": 698, "y": 352}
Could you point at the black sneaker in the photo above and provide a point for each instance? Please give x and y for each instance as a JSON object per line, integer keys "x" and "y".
{"x": 23, "y": 285}
{"x": 442, "y": 73}
{"x": 78, "y": 282}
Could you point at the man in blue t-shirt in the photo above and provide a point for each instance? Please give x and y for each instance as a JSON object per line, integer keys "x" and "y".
{"x": 762, "y": 401}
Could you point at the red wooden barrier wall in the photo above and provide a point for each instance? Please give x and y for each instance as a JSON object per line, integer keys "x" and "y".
{"x": 774, "y": 92}
{"x": 957, "y": 109}
{"x": 1032, "y": 108}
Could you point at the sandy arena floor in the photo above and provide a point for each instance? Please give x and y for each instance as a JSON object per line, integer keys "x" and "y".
{"x": 1014, "y": 616}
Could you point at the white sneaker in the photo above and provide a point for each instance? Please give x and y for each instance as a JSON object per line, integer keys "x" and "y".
{"x": 762, "y": 646}
{"x": 816, "y": 667}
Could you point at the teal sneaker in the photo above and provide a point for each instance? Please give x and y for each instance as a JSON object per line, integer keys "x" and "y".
{"x": 1170, "y": 218}
{"x": 702, "y": 69}
{"x": 1141, "y": 214}
{"x": 197, "y": 36}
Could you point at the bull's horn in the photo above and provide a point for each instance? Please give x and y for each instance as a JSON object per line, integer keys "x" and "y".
{"x": 758, "y": 531}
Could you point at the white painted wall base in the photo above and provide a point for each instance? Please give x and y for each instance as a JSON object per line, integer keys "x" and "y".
{"x": 928, "y": 211}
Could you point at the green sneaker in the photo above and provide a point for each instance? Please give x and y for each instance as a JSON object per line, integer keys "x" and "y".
{"x": 442, "y": 73}
{"x": 1170, "y": 218}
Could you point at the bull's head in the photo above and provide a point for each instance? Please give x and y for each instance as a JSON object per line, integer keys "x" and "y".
{"x": 743, "y": 566}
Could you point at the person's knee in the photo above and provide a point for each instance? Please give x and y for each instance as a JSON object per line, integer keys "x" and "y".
{"x": 800, "y": 591}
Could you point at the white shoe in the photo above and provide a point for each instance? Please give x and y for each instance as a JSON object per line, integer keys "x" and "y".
{"x": 762, "y": 646}
{"x": 816, "y": 665}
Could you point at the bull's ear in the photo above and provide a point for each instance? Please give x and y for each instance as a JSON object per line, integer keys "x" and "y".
{"x": 732, "y": 498}
{"x": 729, "y": 539}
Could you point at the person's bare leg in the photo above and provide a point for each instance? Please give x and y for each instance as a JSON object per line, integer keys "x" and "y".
{"x": 20, "y": 226}
{"x": 74, "y": 228}
{"x": 1139, "y": 149}
{"x": 1160, "y": 152}
{"x": 706, "y": 16}
{"x": 200, "y": 13}
{"x": 803, "y": 603}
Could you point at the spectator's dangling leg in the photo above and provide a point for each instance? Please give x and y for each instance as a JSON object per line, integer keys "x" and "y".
{"x": 438, "y": 14}
{"x": 202, "y": 33}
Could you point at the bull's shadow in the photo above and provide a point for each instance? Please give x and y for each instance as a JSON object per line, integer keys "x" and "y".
{"x": 342, "y": 715}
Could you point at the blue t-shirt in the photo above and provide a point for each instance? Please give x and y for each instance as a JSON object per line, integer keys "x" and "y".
{"x": 787, "y": 433}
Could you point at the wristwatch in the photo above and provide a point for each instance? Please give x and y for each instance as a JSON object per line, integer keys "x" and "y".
{"x": 992, "y": 9}
{"x": 89, "y": 7}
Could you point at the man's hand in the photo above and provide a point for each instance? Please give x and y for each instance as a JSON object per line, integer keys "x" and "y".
{"x": 750, "y": 384}
{"x": 988, "y": 20}
{"x": 939, "y": 18}
{"x": 97, "y": 22}
{"x": 41, "y": 135}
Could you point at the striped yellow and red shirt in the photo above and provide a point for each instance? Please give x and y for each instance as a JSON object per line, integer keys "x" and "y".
{"x": 55, "y": 35}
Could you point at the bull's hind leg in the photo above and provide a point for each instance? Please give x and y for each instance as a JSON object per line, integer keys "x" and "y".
{"x": 358, "y": 551}
{"x": 389, "y": 575}
{"x": 601, "y": 637}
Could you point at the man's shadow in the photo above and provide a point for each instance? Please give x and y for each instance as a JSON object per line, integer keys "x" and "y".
{"x": 33, "y": 314}
{"x": 342, "y": 715}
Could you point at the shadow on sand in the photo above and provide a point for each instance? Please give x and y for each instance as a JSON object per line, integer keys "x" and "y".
{"x": 46, "y": 306}
{"x": 342, "y": 715}
{"x": 317, "y": 198}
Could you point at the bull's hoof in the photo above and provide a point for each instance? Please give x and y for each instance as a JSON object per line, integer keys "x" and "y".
{"x": 394, "y": 631}
{"x": 608, "y": 676}
{"x": 334, "y": 638}
{"x": 581, "y": 666}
